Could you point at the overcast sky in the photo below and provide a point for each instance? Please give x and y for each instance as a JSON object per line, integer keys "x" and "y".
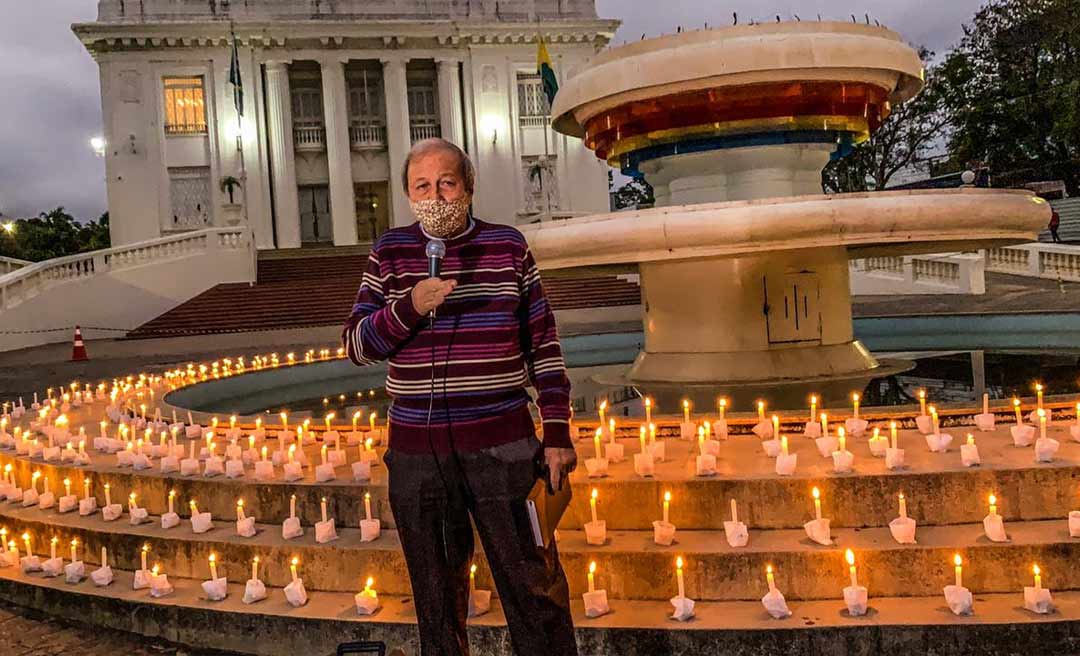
{"x": 50, "y": 104}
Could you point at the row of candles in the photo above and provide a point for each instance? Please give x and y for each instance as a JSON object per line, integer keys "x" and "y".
{"x": 157, "y": 581}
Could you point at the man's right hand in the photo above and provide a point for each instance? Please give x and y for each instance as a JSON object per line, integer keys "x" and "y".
{"x": 430, "y": 294}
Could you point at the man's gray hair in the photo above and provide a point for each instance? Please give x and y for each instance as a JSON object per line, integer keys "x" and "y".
{"x": 428, "y": 146}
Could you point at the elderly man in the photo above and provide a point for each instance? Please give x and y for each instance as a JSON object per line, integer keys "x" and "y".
{"x": 461, "y": 348}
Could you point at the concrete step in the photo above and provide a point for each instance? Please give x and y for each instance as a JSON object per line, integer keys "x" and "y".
{"x": 633, "y": 628}
{"x": 634, "y": 566}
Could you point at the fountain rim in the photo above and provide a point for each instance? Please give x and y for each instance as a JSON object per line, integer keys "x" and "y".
{"x": 773, "y": 52}
{"x": 904, "y": 222}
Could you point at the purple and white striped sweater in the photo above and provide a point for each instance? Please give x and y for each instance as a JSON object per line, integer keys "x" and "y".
{"x": 494, "y": 335}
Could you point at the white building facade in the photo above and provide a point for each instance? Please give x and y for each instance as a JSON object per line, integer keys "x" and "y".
{"x": 335, "y": 94}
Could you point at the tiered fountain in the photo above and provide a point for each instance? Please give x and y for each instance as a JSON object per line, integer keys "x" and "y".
{"x": 727, "y": 115}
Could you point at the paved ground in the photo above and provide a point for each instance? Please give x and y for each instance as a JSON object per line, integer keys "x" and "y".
{"x": 1005, "y": 294}
{"x": 25, "y": 632}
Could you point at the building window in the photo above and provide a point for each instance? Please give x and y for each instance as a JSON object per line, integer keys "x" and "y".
{"x": 189, "y": 196}
{"x": 309, "y": 131}
{"x": 541, "y": 184}
{"x": 367, "y": 111}
{"x": 185, "y": 107}
{"x": 532, "y": 102}
{"x": 423, "y": 110}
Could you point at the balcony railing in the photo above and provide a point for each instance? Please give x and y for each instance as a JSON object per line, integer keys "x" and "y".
{"x": 367, "y": 137}
{"x": 533, "y": 121}
{"x": 421, "y": 131}
{"x": 309, "y": 137}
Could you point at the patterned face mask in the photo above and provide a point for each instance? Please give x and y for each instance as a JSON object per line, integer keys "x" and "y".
{"x": 441, "y": 218}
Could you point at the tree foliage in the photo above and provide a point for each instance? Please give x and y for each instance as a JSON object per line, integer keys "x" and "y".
{"x": 53, "y": 234}
{"x": 1014, "y": 92}
{"x": 905, "y": 138}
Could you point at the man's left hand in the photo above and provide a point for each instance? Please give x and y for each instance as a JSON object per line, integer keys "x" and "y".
{"x": 560, "y": 462}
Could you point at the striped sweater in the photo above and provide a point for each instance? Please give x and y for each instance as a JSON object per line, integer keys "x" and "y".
{"x": 494, "y": 335}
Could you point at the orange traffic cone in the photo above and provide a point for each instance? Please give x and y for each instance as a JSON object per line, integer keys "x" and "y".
{"x": 78, "y": 351}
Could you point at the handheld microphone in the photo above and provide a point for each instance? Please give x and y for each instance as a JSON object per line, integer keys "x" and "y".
{"x": 435, "y": 250}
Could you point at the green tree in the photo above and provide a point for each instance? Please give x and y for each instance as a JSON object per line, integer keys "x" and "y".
{"x": 905, "y": 138}
{"x": 635, "y": 193}
{"x": 54, "y": 234}
{"x": 1014, "y": 92}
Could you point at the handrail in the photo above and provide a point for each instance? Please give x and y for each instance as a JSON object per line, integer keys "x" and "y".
{"x": 118, "y": 258}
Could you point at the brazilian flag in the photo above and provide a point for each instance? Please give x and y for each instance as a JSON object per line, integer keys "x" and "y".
{"x": 546, "y": 71}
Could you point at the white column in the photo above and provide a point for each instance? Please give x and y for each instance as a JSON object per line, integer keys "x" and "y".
{"x": 283, "y": 167}
{"x": 398, "y": 139}
{"x": 450, "y": 101}
{"x": 339, "y": 153}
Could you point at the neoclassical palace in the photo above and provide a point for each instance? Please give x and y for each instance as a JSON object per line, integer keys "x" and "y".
{"x": 334, "y": 94}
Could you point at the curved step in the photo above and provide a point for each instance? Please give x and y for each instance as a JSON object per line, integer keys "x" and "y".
{"x": 633, "y": 628}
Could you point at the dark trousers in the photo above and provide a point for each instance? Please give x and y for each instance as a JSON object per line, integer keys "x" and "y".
{"x": 437, "y": 540}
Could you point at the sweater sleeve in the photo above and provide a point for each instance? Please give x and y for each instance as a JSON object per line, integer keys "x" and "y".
{"x": 375, "y": 329}
{"x": 543, "y": 356}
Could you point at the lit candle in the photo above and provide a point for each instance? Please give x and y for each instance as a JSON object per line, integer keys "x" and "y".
{"x": 892, "y": 434}
{"x": 708, "y": 429}
{"x": 213, "y": 566}
{"x": 292, "y": 567}
{"x": 841, "y": 438}
{"x": 761, "y": 410}
{"x": 957, "y": 561}
{"x": 769, "y": 578}
{"x": 734, "y": 512}
{"x": 922, "y": 402}
{"x": 472, "y": 577}
{"x": 322, "y": 453}
{"x": 142, "y": 555}
{"x": 367, "y": 505}
{"x": 67, "y": 487}
{"x": 934, "y": 419}
{"x": 652, "y": 433}
{"x": 284, "y": 420}
{"x": 903, "y": 506}
{"x": 592, "y": 573}
{"x": 722, "y": 404}
{"x": 108, "y": 497}
{"x": 813, "y": 410}
{"x": 368, "y": 585}
{"x": 855, "y": 403}
{"x": 240, "y": 510}
{"x": 602, "y": 408}
{"x": 328, "y": 418}
{"x": 783, "y": 445}
{"x": 26, "y": 541}
{"x": 292, "y": 506}
{"x": 1078, "y": 414}
{"x": 232, "y": 422}
{"x": 86, "y": 488}
{"x": 74, "y": 550}
{"x": 592, "y": 503}
{"x": 817, "y": 502}
{"x": 264, "y": 453}
{"x": 679, "y": 576}
{"x": 194, "y": 507}
{"x": 52, "y": 546}
{"x": 255, "y": 568}
{"x": 131, "y": 501}
{"x": 355, "y": 418}
{"x": 824, "y": 424}
{"x": 172, "y": 497}
{"x": 775, "y": 426}
{"x": 371, "y": 417}
{"x": 322, "y": 505}
{"x": 596, "y": 442}
{"x": 993, "y": 506}
{"x": 970, "y": 439}
{"x": 686, "y": 411}
{"x": 104, "y": 557}
{"x": 1038, "y": 395}
{"x": 641, "y": 434}
{"x": 1038, "y": 577}
{"x": 251, "y": 441}
{"x": 986, "y": 403}
{"x": 611, "y": 428}
{"x": 1016, "y": 409}
{"x": 648, "y": 410}
{"x": 667, "y": 504}
{"x": 1042, "y": 423}
{"x": 849, "y": 555}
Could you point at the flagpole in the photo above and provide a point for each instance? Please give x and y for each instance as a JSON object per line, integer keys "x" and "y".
{"x": 240, "y": 126}
{"x": 547, "y": 121}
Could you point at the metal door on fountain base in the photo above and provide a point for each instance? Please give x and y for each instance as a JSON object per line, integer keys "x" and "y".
{"x": 792, "y": 302}
{"x": 316, "y": 225}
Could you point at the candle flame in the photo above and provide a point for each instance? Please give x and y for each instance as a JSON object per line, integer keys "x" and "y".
{"x": 1041, "y": 413}
{"x": 592, "y": 567}
{"x": 816, "y": 493}
{"x": 599, "y": 432}
{"x": 667, "y": 496}
{"x": 849, "y": 556}
{"x": 295, "y": 561}
{"x": 370, "y": 582}
{"x": 761, "y": 405}
{"x": 648, "y": 402}
{"x": 240, "y": 502}
{"x": 957, "y": 560}
{"x": 768, "y": 569}
{"x": 723, "y": 402}
{"x": 595, "y": 493}
{"x": 146, "y": 547}
{"x": 213, "y": 557}
{"x": 1035, "y": 569}
{"x": 603, "y": 405}
{"x": 172, "y": 494}
{"x": 1038, "y": 387}
{"x": 813, "y": 399}
{"x": 685, "y": 404}
{"x": 1016, "y": 402}
{"x": 255, "y": 559}
{"x": 678, "y": 562}
{"x": 922, "y": 394}
{"x": 901, "y": 496}
{"x": 854, "y": 396}
{"x": 472, "y": 568}
{"x": 26, "y": 537}
{"x": 75, "y": 542}
{"x": 993, "y": 500}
